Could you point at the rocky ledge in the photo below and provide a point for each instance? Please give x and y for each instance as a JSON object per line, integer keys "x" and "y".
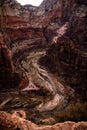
{"x": 17, "y": 121}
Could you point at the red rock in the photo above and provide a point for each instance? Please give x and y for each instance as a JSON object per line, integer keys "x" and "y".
{"x": 67, "y": 56}
{"x": 14, "y": 122}
{"x": 7, "y": 74}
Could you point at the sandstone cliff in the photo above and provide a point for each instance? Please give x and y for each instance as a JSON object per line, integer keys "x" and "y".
{"x": 67, "y": 56}
{"x": 43, "y": 62}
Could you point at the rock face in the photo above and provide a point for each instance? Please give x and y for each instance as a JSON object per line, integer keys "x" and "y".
{"x": 30, "y": 8}
{"x": 46, "y": 6}
{"x": 17, "y": 122}
{"x": 7, "y": 74}
{"x": 67, "y": 56}
{"x": 13, "y": 14}
{"x": 16, "y": 36}
{"x": 43, "y": 57}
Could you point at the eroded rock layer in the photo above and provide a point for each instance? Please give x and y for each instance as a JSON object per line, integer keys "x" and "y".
{"x": 67, "y": 56}
{"x": 43, "y": 61}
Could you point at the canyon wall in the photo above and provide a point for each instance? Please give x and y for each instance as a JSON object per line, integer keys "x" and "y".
{"x": 67, "y": 56}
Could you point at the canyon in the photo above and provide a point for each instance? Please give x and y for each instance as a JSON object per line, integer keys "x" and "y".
{"x": 43, "y": 65}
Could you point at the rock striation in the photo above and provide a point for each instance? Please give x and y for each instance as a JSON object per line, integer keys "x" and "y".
{"x": 16, "y": 37}
{"x": 43, "y": 58}
{"x": 67, "y": 56}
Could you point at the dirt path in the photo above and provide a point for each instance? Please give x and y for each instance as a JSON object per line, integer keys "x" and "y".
{"x": 39, "y": 77}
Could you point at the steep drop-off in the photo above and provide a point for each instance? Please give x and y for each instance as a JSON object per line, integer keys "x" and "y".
{"x": 67, "y": 56}
{"x": 43, "y": 59}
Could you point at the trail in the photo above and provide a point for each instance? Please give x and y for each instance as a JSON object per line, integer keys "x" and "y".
{"x": 39, "y": 77}
{"x": 36, "y": 74}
